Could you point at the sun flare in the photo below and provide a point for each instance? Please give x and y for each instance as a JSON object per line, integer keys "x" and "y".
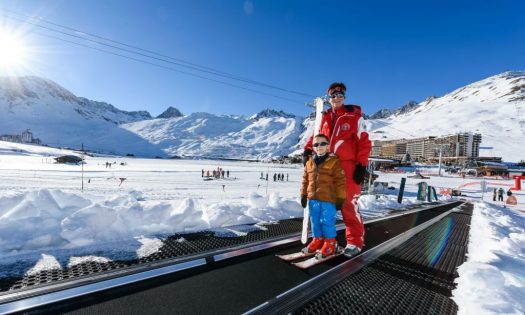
{"x": 13, "y": 52}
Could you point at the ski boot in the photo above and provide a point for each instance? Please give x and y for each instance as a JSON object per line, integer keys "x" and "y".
{"x": 329, "y": 248}
{"x": 351, "y": 250}
{"x": 315, "y": 244}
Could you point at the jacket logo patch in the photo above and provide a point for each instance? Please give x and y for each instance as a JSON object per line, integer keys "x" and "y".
{"x": 345, "y": 127}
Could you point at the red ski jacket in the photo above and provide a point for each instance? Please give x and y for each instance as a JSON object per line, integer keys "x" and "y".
{"x": 348, "y": 136}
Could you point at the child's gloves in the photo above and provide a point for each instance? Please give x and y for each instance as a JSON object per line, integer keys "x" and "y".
{"x": 339, "y": 203}
{"x": 306, "y": 155}
{"x": 359, "y": 173}
{"x": 304, "y": 199}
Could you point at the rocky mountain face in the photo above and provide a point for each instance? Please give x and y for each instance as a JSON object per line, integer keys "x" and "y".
{"x": 268, "y": 113}
{"x": 171, "y": 112}
{"x": 382, "y": 113}
{"x": 385, "y": 112}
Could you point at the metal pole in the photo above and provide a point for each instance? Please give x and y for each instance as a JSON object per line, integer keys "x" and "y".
{"x": 82, "y": 163}
{"x": 267, "y": 179}
{"x": 440, "y": 154}
{"x": 401, "y": 190}
{"x": 370, "y": 172}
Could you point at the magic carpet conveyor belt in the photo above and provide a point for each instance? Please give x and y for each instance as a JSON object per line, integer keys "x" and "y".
{"x": 412, "y": 275}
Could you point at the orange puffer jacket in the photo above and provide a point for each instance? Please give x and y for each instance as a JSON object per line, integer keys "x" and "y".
{"x": 325, "y": 182}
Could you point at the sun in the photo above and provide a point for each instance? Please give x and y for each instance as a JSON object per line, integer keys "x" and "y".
{"x": 13, "y": 52}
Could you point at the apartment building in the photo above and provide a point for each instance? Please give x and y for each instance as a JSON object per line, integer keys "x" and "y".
{"x": 458, "y": 146}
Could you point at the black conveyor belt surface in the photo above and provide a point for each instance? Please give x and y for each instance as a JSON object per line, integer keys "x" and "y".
{"x": 414, "y": 278}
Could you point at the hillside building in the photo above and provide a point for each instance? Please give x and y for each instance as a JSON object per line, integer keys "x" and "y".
{"x": 25, "y": 137}
{"x": 453, "y": 148}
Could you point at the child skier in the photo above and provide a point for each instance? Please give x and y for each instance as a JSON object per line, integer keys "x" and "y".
{"x": 324, "y": 185}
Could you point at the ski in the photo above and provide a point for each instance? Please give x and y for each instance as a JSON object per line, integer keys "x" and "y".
{"x": 294, "y": 256}
{"x": 319, "y": 106}
{"x": 310, "y": 262}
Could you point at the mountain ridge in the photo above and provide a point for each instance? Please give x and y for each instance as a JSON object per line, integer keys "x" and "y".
{"x": 57, "y": 116}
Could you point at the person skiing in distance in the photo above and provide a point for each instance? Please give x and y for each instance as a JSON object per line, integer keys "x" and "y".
{"x": 349, "y": 141}
{"x": 501, "y": 191}
{"x": 323, "y": 187}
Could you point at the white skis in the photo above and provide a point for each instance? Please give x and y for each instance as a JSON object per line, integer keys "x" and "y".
{"x": 319, "y": 103}
{"x": 306, "y": 224}
{"x": 310, "y": 262}
{"x": 294, "y": 256}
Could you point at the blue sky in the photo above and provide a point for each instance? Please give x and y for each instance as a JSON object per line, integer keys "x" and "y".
{"x": 387, "y": 52}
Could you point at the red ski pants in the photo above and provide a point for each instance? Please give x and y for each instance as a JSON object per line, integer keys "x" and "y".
{"x": 355, "y": 230}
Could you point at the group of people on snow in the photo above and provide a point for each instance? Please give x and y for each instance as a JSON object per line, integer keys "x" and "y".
{"x": 511, "y": 199}
{"x": 218, "y": 173}
{"x": 279, "y": 177}
{"x": 276, "y": 177}
{"x": 335, "y": 161}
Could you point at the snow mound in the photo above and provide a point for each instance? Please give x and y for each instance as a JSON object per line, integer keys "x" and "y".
{"x": 56, "y": 219}
{"x": 491, "y": 280}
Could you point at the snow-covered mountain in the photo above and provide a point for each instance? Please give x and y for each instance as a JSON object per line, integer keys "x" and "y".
{"x": 202, "y": 134}
{"x": 59, "y": 118}
{"x": 494, "y": 107}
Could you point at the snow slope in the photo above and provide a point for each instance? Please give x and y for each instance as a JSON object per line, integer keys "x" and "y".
{"x": 59, "y": 118}
{"x": 494, "y": 107}
{"x": 202, "y": 134}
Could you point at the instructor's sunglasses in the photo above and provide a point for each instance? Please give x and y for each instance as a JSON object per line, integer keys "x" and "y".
{"x": 337, "y": 94}
{"x": 320, "y": 144}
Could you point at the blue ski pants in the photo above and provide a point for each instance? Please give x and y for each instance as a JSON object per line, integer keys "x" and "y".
{"x": 322, "y": 217}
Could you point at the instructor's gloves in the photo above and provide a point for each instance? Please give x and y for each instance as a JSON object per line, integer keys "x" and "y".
{"x": 306, "y": 155}
{"x": 359, "y": 174}
{"x": 304, "y": 199}
{"x": 339, "y": 203}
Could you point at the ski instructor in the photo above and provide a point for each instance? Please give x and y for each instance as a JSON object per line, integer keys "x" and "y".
{"x": 345, "y": 126}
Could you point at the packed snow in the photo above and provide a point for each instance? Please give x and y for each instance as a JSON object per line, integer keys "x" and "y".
{"x": 129, "y": 205}
{"x": 492, "y": 280}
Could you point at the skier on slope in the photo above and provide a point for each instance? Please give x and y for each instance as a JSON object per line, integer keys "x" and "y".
{"x": 345, "y": 126}
{"x": 323, "y": 187}
{"x": 501, "y": 191}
